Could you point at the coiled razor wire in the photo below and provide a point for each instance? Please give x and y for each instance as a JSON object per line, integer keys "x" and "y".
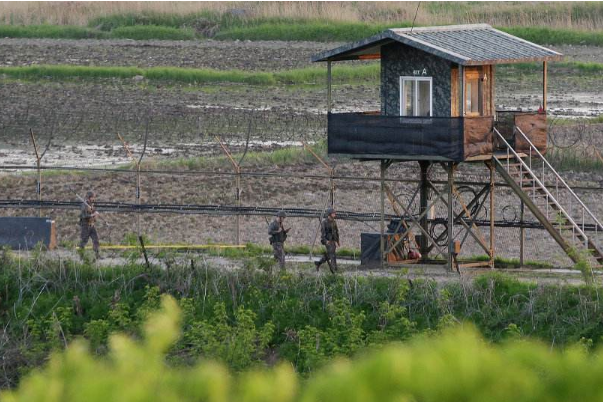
{"x": 227, "y": 210}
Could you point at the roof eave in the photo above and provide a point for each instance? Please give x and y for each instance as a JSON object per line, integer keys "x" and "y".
{"x": 329, "y": 55}
{"x": 511, "y": 61}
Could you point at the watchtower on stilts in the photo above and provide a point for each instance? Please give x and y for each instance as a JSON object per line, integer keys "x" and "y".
{"x": 438, "y": 109}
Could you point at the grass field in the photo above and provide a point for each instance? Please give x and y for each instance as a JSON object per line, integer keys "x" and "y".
{"x": 569, "y": 15}
{"x": 369, "y": 72}
{"x": 308, "y": 75}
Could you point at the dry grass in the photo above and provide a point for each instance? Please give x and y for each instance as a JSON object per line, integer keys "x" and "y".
{"x": 555, "y": 15}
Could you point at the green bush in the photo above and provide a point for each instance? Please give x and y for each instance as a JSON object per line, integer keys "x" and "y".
{"x": 249, "y": 317}
{"x": 554, "y": 36}
{"x": 147, "y": 32}
{"x": 455, "y": 366}
{"x": 306, "y": 31}
{"x": 49, "y": 31}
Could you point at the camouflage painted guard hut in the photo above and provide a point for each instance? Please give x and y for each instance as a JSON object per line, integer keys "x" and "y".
{"x": 438, "y": 108}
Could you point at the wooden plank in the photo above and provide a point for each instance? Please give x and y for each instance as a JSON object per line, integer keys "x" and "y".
{"x": 454, "y": 92}
{"x": 52, "y": 244}
{"x": 533, "y": 125}
{"x": 480, "y": 264}
{"x": 492, "y": 90}
{"x": 477, "y": 136}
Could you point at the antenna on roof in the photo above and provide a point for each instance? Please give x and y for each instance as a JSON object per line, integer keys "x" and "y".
{"x": 413, "y": 20}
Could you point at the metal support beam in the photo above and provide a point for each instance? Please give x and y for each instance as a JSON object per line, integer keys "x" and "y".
{"x": 522, "y": 233}
{"x": 415, "y": 221}
{"x": 491, "y": 166}
{"x": 381, "y": 239}
{"x": 329, "y": 103}
{"x": 423, "y": 199}
{"x": 459, "y": 217}
{"x": 471, "y": 226}
{"x": 450, "y": 215}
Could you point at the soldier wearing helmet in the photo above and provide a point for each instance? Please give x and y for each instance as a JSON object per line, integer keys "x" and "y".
{"x": 278, "y": 235}
{"x": 330, "y": 238}
{"x": 88, "y": 215}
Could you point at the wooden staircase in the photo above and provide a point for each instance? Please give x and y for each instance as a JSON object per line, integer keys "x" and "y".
{"x": 557, "y": 207}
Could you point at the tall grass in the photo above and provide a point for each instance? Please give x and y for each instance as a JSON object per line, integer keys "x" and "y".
{"x": 575, "y": 159}
{"x": 144, "y": 32}
{"x": 138, "y": 32}
{"x": 279, "y": 157}
{"x": 307, "y": 31}
{"x": 569, "y": 15}
{"x": 369, "y": 72}
{"x": 310, "y": 75}
{"x": 557, "y": 36}
{"x": 50, "y": 31}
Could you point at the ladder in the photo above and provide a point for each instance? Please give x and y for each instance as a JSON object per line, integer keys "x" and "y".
{"x": 557, "y": 207}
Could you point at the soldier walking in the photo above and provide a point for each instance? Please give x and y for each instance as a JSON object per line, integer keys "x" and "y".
{"x": 278, "y": 235}
{"x": 88, "y": 215}
{"x": 330, "y": 238}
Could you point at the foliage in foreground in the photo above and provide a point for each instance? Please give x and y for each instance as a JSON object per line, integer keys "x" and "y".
{"x": 457, "y": 366}
{"x": 254, "y": 317}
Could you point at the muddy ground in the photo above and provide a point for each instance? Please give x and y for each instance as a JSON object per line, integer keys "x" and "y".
{"x": 83, "y": 118}
{"x": 89, "y": 113}
{"x": 222, "y": 55}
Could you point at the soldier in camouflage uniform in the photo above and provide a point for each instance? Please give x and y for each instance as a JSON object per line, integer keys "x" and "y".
{"x": 278, "y": 235}
{"x": 88, "y": 216}
{"x": 330, "y": 238}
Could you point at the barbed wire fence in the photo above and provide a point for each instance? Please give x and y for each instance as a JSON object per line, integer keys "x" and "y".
{"x": 191, "y": 132}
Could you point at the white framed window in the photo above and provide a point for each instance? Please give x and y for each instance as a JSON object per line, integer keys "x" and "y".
{"x": 416, "y": 96}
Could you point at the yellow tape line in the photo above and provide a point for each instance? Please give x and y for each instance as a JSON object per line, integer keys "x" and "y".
{"x": 170, "y": 246}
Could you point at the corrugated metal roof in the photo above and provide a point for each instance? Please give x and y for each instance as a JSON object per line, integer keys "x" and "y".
{"x": 463, "y": 44}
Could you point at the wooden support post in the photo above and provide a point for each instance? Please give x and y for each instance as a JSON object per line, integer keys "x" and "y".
{"x": 331, "y": 171}
{"x": 462, "y": 89}
{"x": 381, "y": 239}
{"x": 237, "y": 169}
{"x": 38, "y": 166}
{"x": 238, "y": 217}
{"x": 137, "y": 164}
{"x": 492, "y": 90}
{"x": 450, "y": 216}
{"x": 492, "y": 214}
{"x": 522, "y": 234}
{"x": 328, "y": 87}
{"x": 423, "y": 199}
{"x": 138, "y": 199}
{"x": 544, "y": 83}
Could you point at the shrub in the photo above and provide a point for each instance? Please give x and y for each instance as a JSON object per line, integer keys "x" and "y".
{"x": 147, "y": 32}
{"x": 455, "y": 366}
{"x": 49, "y": 31}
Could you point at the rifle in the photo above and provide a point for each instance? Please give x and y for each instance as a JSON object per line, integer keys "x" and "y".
{"x": 86, "y": 204}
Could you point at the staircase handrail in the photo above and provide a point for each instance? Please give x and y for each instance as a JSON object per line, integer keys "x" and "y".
{"x": 549, "y": 195}
{"x": 532, "y": 146}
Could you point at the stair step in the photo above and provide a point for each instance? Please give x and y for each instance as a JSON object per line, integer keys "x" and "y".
{"x": 518, "y": 173}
